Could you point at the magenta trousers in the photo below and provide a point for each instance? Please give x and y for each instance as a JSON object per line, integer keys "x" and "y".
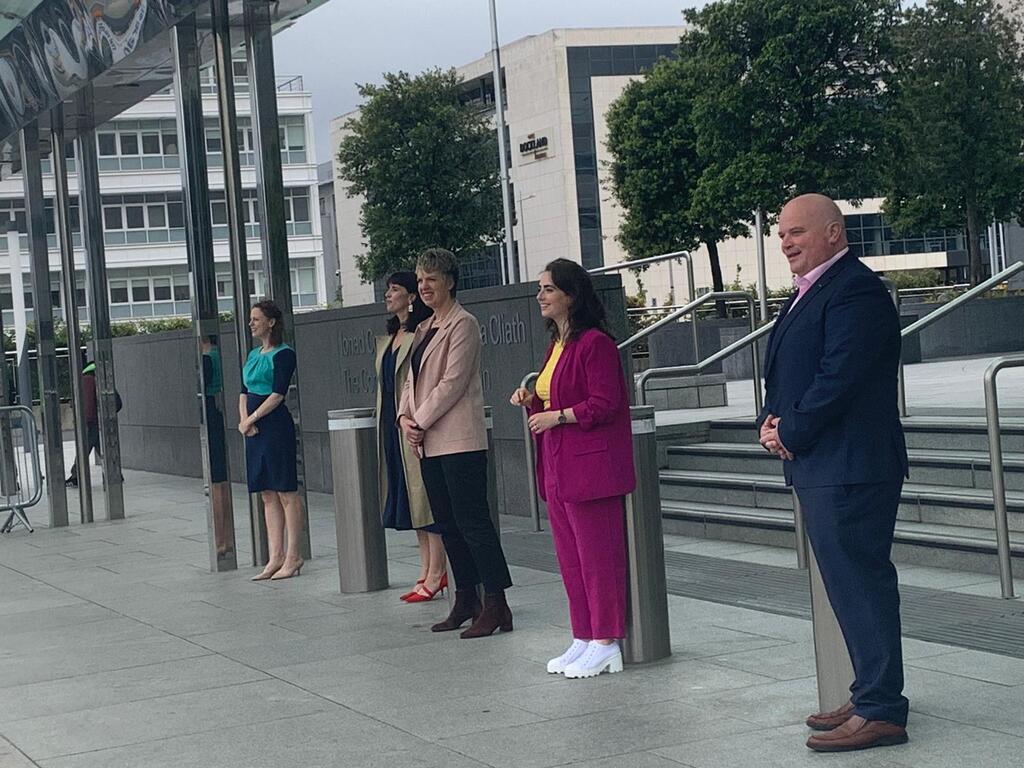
{"x": 590, "y": 542}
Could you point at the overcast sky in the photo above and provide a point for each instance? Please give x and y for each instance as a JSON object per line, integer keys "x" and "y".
{"x": 345, "y": 42}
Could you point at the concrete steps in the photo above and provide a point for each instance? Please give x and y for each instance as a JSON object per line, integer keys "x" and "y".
{"x": 958, "y": 469}
{"x": 730, "y": 488}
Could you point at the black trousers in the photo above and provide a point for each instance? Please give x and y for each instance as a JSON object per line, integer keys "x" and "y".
{"x": 92, "y": 436}
{"x": 850, "y": 528}
{"x": 456, "y": 487}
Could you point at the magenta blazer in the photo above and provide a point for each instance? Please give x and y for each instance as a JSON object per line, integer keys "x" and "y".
{"x": 593, "y": 458}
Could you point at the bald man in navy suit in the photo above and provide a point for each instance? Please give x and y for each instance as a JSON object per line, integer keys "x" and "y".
{"x": 831, "y": 414}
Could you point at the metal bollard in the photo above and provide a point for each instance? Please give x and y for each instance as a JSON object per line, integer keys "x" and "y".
{"x": 647, "y": 630}
{"x": 831, "y": 658}
{"x": 362, "y": 555}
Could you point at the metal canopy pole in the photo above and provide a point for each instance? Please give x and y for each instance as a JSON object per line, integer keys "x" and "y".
{"x": 236, "y": 229}
{"x": 42, "y": 303}
{"x": 205, "y": 319}
{"x": 511, "y": 275}
{"x": 259, "y": 46}
{"x": 90, "y": 206}
{"x": 69, "y": 298}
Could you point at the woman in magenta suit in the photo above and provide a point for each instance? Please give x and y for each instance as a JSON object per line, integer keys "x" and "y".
{"x": 579, "y": 416}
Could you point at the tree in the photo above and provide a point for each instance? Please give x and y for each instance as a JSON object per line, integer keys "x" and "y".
{"x": 427, "y": 167}
{"x": 656, "y": 167}
{"x": 791, "y": 100}
{"x": 958, "y": 121}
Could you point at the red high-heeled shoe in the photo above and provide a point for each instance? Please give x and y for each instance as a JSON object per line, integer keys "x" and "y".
{"x": 407, "y": 595}
{"x": 419, "y": 597}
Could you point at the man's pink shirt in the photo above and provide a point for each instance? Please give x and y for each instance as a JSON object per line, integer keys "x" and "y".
{"x": 804, "y": 282}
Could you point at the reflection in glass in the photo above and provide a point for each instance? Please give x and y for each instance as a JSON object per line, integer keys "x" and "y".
{"x": 220, "y": 484}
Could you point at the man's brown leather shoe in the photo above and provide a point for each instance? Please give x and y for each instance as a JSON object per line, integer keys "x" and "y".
{"x": 858, "y": 733}
{"x": 826, "y": 721}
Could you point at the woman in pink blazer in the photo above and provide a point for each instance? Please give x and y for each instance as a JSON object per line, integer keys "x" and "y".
{"x": 441, "y": 414}
{"x": 579, "y": 415}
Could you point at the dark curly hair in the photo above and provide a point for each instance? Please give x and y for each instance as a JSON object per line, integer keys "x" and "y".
{"x": 271, "y": 311}
{"x": 585, "y": 310}
{"x": 420, "y": 311}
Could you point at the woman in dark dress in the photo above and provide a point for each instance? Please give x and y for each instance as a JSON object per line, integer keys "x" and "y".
{"x": 404, "y": 499}
{"x": 269, "y": 431}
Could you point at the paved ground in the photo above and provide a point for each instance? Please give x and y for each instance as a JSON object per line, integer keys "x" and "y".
{"x": 119, "y": 649}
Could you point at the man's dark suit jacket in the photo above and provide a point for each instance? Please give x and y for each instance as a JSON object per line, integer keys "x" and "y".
{"x": 831, "y": 374}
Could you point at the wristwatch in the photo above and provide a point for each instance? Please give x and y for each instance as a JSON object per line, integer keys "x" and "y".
{"x": 561, "y": 416}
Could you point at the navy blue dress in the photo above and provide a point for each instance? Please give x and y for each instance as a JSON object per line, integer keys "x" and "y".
{"x": 270, "y": 456}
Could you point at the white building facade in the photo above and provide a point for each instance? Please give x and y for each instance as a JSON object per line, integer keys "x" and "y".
{"x": 559, "y": 86}
{"x": 143, "y": 218}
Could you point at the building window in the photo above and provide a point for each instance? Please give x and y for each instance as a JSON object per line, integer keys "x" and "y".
{"x": 131, "y": 145}
{"x": 118, "y": 291}
{"x": 161, "y": 289}
{"x": 107, "y": 143}
{"x": 149, "y": 218}
{"x": 869, "y": 235}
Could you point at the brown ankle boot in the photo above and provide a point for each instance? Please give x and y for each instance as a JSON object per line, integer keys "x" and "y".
{"x": 467, "y": 606}
{"x": 495, "y": 615}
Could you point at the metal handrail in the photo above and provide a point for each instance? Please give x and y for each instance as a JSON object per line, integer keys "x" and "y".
{"x": 695, "y": 368}
{"x": 672, "y": 256}
{"x": 948, "y": 307}
{"x": 531, "y": 456}
{"x": 686, "y": 309}
{"x": 671, "y": 370}
{"x": 995, "y": 457}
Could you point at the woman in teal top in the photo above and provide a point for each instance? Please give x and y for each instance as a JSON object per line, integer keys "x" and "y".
{"x": 269, "y": 432}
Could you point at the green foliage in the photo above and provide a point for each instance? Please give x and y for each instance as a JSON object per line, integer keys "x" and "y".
{"x": 791, "y": 100}
{"x": 766, "y": 99}
{"x": 141, "y": 327}
{"x": 915, "y": 278}
{"x": 427, "y": 168}
{"x": 751, "y": 288}
{"x": 958, "y": 121}
{"x": 127, "y": 328}
{"x": 656, "y": 167}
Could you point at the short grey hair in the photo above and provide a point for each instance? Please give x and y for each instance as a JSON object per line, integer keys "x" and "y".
{"x": 440, "y": 260}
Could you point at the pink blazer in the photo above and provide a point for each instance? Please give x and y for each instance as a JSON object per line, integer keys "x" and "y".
{"x": 447, "y": 399}
{"x": 593, "y": 458}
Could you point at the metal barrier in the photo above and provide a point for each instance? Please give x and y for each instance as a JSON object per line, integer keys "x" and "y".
{"x": 995, "y": 454}
{"x": 531, "y": 457}
{"x": 21, "y": 480}
{"x": 362, "y": 555}
{"x": 755, "y": 358}
{"x": 669, "y": 257}
{"x": 945, "y": 309}
{"x": 647, "y": 629}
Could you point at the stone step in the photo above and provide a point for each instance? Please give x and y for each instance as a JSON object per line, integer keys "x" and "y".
{"x": 931, "y": 504}
{"x": 957, "y": 433}
{"x": 949, "y": 546}
{"x": 958, "y": 469}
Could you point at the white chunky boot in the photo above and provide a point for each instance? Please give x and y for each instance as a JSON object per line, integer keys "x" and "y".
{"x": 558, "y": 664}
{"x": 595, "y": 660}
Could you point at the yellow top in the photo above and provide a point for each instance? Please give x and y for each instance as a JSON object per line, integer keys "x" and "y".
{"x": 543, "y": 387}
